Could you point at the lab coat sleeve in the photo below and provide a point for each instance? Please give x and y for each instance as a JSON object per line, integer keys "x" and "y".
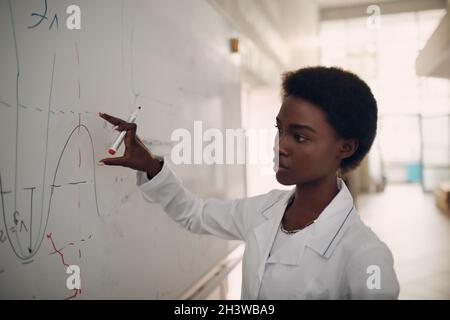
{"x": 228, "y": 219}
{"x": 370, "y": 274}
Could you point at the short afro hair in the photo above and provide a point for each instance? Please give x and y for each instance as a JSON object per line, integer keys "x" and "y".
{"x": 350, "y": 107}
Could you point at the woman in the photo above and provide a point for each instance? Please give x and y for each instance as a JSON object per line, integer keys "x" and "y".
{"x": 307, "y": 243}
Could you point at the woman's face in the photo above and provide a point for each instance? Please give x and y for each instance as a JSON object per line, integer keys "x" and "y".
{"x": 306, "y": 146}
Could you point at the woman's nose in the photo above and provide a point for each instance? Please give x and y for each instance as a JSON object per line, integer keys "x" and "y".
{"x": 279, "y": 146}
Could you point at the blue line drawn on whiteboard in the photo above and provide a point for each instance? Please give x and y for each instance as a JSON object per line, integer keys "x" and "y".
{"x": 44, "y": 16}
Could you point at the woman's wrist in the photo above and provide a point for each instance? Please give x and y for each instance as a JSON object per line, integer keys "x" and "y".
{"x": 155, "y": 168}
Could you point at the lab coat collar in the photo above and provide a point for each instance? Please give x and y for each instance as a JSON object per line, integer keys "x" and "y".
{"x": 332, "y": 222}
{"x": 325, "y": 233}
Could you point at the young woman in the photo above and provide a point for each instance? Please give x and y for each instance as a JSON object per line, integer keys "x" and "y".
{"x": 307, "y": 243}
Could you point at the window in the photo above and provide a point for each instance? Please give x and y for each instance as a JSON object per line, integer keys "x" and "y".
{"x": 414, "y": 112}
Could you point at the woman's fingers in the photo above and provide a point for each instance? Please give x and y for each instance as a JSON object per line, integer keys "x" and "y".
{"x": 119, "y": 161}
{"x": 113, "y": 120}
{"x": 130, "y": 128}
{"x": 140, "y": 142}
{"x": 136, "y": 155}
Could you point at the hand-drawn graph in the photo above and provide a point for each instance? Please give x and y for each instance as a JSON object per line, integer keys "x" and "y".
{"x": 57, "y": 207}
{"x": 18, "y": 222}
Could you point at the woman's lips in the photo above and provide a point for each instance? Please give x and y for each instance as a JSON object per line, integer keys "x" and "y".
{"x": 279, "y": 165}
{"x": 282, "y": 165}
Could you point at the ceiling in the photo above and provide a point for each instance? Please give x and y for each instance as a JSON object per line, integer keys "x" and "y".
{"x": 345, "y": 3}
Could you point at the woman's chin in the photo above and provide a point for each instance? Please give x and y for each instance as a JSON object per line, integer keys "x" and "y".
{"x": 283, "y": 179}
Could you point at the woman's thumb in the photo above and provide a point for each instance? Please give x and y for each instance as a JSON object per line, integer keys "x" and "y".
{"x": 119, "y": 161}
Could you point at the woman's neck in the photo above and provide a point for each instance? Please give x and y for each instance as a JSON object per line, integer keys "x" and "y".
{"x": 310, "y": 200}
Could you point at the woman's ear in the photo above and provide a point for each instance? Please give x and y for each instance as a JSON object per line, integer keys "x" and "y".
{"x": 347, "y": 148}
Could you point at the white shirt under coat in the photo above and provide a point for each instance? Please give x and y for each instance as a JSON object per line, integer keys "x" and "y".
{"x": 337, "y": 257}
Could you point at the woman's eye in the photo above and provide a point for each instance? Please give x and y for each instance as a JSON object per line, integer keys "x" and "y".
{"x": 299, "y": 138}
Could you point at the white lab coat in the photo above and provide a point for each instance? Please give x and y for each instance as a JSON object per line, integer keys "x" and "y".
{"x": 342, "y": 258}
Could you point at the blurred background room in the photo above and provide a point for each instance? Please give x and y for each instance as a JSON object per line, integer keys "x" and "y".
{"x": 401, "y": 48}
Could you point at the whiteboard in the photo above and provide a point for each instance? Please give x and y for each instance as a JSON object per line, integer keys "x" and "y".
{"x": 58, "y": 207}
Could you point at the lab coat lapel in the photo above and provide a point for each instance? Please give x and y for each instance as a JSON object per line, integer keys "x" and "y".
{"x": 332, "y": 222}
{"x": 265, "y": 234}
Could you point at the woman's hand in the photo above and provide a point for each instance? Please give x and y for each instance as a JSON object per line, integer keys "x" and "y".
{"x": 136, "y": 155}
